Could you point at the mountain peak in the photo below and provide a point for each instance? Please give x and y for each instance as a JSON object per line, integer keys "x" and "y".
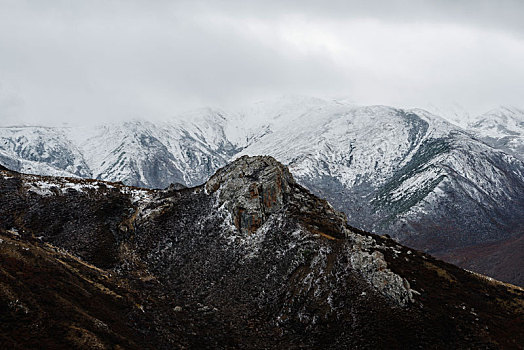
{"x": 252, "y": 188}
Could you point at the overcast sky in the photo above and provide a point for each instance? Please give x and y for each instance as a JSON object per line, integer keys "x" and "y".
{"x": 103, "y": 60}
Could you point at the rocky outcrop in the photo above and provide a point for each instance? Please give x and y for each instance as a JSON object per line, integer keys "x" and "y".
{"x": 252, "y": 189}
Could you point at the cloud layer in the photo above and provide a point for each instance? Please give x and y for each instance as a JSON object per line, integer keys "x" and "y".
{"x": 63, "y": 61}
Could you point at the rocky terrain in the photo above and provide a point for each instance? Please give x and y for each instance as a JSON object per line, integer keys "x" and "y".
{"x": 249, "y": 259}
{"x": 429, "y": 184}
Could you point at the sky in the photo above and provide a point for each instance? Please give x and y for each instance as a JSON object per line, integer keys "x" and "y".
{"x": 76, "y": 61}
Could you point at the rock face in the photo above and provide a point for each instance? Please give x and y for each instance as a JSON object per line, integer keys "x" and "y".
{"x": 252, "y": 189}
{"x": 251, "y": 259}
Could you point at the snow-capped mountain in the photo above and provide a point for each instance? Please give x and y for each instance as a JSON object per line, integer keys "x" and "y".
{"x": 138, "y": 153}
{"x": 502, "y": 128}
{"x": 41, "y": 150}
{"x": 141, "y": 153}
{"x": 403, "y": 172}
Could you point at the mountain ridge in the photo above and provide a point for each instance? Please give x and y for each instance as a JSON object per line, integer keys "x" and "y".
{"x": 406, "y": 172}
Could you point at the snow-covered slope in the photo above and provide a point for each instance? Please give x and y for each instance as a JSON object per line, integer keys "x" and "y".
{"x": 502, "y": 128}
{"x": 137, "y": 152}
{"x": 154, "y": 155}
{"x": 355, "y": 144}
{"x": 453, "y": 112}
{"x": 41, "y": 150}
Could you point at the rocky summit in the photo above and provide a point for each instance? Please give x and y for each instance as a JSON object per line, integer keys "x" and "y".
{"x": 250, "y": 259}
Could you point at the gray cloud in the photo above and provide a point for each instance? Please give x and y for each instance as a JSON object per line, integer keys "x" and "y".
{"x": 102, "y": 60}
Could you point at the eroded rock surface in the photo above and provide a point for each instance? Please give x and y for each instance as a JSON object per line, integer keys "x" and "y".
{"x": 252, "y": 189}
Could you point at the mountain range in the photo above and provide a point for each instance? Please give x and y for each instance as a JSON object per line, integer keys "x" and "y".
{"x": 454, "y": 191}
{"x": 250, "y": 259}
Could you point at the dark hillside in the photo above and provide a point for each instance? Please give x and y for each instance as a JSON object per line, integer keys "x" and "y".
{"x": 250, "y": 259}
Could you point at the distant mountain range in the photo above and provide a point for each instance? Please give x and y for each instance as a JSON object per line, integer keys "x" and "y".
{"x": 407, "y": 173}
